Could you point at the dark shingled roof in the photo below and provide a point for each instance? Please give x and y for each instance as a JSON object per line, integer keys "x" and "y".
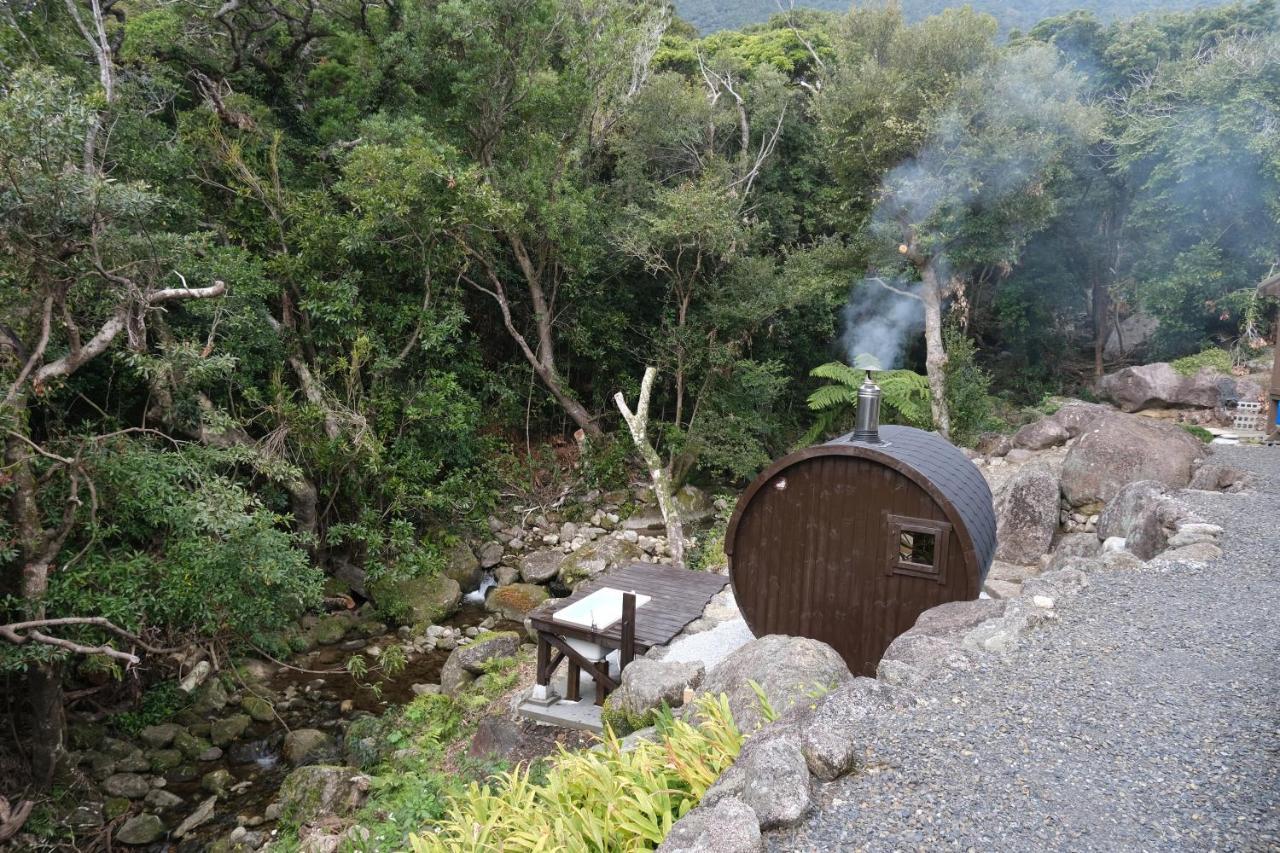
{"x": 959, "y": 480}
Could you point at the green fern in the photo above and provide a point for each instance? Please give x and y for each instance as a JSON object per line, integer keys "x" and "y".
{"x": 905, "y": 395}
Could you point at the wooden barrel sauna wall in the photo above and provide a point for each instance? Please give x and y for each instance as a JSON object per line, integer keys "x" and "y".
{"x": 848, "y": 542}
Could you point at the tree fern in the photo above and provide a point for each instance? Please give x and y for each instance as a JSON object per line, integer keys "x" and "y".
{"x": 904, "y": 396}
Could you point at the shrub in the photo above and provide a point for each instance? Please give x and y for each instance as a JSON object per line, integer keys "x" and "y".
{"x": 968, "y": 388}
{"x": 602, "y": 799}
{"x": 1219, "y": 360}
{"x": 1199, "y": 432}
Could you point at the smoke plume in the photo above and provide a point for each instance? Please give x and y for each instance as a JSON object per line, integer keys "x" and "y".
{"x": 880, "y": 322}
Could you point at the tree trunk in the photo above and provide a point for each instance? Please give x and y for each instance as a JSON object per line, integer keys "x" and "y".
{"x": 1101, "y": 307}
{"x": 44, "y": 681}
{"x": 935, "y": 362}
{"x": 638, "y": 423}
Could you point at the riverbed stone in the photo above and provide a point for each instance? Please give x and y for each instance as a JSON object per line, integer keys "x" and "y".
{"x": 140, "y": 829}
{"x": 514, "y": 602}
{"x": 729, "y": 826}
{"x": 419, "y": 601}
{"x": 462, "y": 566}
{"x": 223, "y": 731}
{"x": 790, "y": 670}
{"x": 162, "y": 800}
{"x": 113, "y": 807}
{"x": 209, "y": 698}
{"x": 163, "y": 760}
{"x": 301, "y": 745}
{"x": 160, "y": 736}
{"x": 484, "y": 648}
{"x": 490, "y": 554}
{"x": 541, "y": 566}
{"x": 134, "y": 762}
{"x": 217, "y": 782}
{"x": 198, "y": 818}
{"x": 331, "y": 629}
{"x": 320, "y": 790}
{"x": 258, "y": 708}
{"x": 128, "y": 785}
{"x": 495, "y": 738}
{"x": 596, "y": 558}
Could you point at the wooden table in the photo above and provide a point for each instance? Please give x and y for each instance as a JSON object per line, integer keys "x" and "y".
{"x": 678, "y": 596}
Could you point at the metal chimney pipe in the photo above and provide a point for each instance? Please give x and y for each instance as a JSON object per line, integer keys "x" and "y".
{"x": 867, "y": 426}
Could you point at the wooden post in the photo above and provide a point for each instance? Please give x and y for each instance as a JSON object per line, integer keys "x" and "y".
{"x": 544, "y": 659}
{"x": 628, "y": 651}
{"x": 572, "y": 690}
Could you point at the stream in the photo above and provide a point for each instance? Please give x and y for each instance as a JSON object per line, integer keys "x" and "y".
{"x": 304, "y": 700}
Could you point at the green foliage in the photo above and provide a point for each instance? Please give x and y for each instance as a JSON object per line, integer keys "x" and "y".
{"x": 160, "y": 702}
{"x": 602, "y": 799}
{"x": 1217, "y": 360}
{"x": 968, "y": 388}
{"x": 1198, "y": 431}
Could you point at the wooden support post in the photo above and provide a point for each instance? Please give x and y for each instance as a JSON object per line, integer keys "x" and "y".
{"x": 628, "y": 651}
{"x": 544, "y": 660}
{"x": 572, "y": 690}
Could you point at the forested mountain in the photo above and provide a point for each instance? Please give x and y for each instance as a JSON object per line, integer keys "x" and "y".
{"x": 711, "y": 15}
{"x": 298, "y": 292}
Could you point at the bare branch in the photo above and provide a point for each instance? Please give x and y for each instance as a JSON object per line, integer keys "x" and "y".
{"x": 887, "y": 286}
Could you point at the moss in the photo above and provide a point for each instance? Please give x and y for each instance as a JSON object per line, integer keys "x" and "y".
{"x": 623, "y": 722}
{"x": 517, "y": 599}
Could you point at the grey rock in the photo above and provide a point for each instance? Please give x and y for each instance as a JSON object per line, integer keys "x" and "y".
{"x": 836, "y": 736}
{"x": 1071, "y": 419}
{"x": 495, "y": 737}
{"x": 790, "y": 670}
{"x": 161, "y": 800}
{"x": 217, "y": 782}
{"x": 1001, "y": 589}
{"x": 1120, "y": 449}
{"x": 454, "y": 678}
{"x": 993, "y": 444}
{"x": 421, "y": 600}
{"x": 486, "y": 647}
{"x": 1073, "y": 546}
{"x": 647, "y": 684}
{"x": 770, "y": 775}
{"x": 514, "y": 601}
{"x": 541, "y": 566}
{"x": 645, "y": 522}
{"x": 134, "y": 762}
{"x": 209, "y": 698}
{"x": 956, "y": 618}
{"x": 258, "y": 708}
{"x": 160, "y": 736}
{"x": 462, "y": 567}
{"x": 1219, "y": 478}
{"x": 914, "y": 659}
{"x": 1201, "y": 552}
{"x": 223, "y": 731}
{"x": 1159, "y": 386}
{"x": 1019, "y": 455}
{"x": 197, "y": 818}
{"x": 596, "y": 558}
{"x": 1120, "y": 516}
{"x": 506, "y": 575}
{"x": 140, "y": 829}
{"x": 730, "y": 826}
{"x": 490, "y": 554}
{"x": 128, "y": 785}
{"x": 1154, "y": 525}
{"x": 426, "y": 689}
{"x": 303, "y": 745}
{"x": 1027, "y": 514}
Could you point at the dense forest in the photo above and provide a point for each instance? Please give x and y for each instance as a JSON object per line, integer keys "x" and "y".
{"x": 292, "y": 289}
{"x": 712, "y": 15}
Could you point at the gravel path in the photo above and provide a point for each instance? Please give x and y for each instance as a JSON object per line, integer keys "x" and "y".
{"x": 1147, "y": 719}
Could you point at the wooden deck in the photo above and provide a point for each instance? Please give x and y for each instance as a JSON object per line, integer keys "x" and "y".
{"x": 677, "y": 597}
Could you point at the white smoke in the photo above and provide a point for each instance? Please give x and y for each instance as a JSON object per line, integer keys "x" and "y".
{"x": 880, "y": 322}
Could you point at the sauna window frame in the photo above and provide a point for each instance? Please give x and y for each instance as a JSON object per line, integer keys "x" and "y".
{"x": 896, "y": 526}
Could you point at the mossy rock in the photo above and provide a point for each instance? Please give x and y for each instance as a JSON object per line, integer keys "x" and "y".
{"x": 462, "y": 565}
{"x": 621, "y": 721}
{"x": 258, "y": 708}
{"x": 163, "y": 760}
{"x": 596, "y": 558}
{"x": 190, "y": 745}
{"x": 515, "y": 601}
{"x": 330, "y": 630}
{"x": 322, "y": 790}
{"x": 418, "y": 601}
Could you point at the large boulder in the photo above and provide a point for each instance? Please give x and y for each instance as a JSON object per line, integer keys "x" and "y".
{"x": 321, "y": 790}
{"x": 1220, "y": 478}
{"x": 302, "y": 746}
{"x": 140, "y": 829}
{"x": 541, "y": 566}
{"x": 1120, "y": 516}
{"x": 836, "y": 735}
{"x": 730, "y": 826}
{"x": 495, "y": 738}
{"x": 790, "y": 671}
{"x": 693, "y": 503}
{"x": 515, "y": 601}
{"x": 1119, "y": 449}
{"x": 1159, "y": 386}
{"x": 1071, "y": 419}
{"x": 770, "y": 775}
{"x": 418, "y": 600}
{"x": 648, "y": 684}
{"x": 462, "y": 565}
{"x": 1027, "y": 514}
{"x": 467, "y": 662}
{"x": 596, "y": 558}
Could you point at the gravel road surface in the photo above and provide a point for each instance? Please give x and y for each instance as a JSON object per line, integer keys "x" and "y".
{"x": 1148, "y": 718}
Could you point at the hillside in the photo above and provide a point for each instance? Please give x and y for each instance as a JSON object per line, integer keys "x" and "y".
{"x": 711, "y": 15}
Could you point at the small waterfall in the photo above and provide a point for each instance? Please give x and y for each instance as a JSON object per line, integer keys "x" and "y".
{"x": 486, "y": 583}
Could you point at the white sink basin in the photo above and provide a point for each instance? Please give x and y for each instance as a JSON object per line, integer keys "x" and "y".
{"x": 595, "y": 612}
